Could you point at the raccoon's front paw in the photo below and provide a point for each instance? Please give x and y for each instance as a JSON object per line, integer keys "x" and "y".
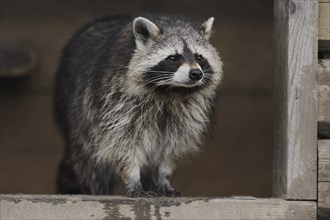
{"x": 169, "y": 193}
{"x": 141, "y": 193}
{"x": 174, "y": 193}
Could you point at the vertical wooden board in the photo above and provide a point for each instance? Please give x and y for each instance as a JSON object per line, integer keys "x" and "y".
{"x": 323, "y": 201}
{"x": 323, "y": 72}
{"x": 324, "y": 161}
{"x": 280, "y": 117}
{"x": 324, "y": 20}
{"x": 323, "y": 95}
{"x": 323, "y": 81}
{"x": 295, "y": 133}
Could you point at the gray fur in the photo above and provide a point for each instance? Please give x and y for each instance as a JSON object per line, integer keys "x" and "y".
{"x": 114, "y": 124}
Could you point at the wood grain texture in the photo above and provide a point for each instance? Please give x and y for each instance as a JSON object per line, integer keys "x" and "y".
{"x": 323, "y": 199}
{"x": 324, "y": 20}
{"x": 106, "y": 207}
{"x": 323, "y": 95}
{"x": 323, "y": 80}
{"x": 324, "y": 161}
{"x": 323, "y": 72}
{"x": 295, "y": 133}
{"x": 324, "y": 100}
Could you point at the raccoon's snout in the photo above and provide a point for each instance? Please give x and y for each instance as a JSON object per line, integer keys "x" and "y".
{"x": 195, "y": 74}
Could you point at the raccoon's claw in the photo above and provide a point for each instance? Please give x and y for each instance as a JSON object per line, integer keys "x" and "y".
{"x": 169, "y": 193}
{"x": 138, "y": 194}
{"x": 151, "y": 194}
{"x": 173, "y": 193}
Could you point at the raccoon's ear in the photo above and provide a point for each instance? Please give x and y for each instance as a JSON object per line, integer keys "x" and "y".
{"x": 144, "y": 30}
{"x": 206, "y": 28}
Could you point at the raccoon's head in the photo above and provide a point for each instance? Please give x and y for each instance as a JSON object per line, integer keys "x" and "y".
{"x": 173, "y": 55}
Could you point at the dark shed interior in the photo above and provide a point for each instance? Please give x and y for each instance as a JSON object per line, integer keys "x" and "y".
{"x": 237, "y": 157}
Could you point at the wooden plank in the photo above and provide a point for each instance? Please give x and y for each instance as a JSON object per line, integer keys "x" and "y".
{"x": 114, "y": 207}
{"x": 295, "y": 133}
{"x": 323, "y": 72}
{"x": 323, "y": 95}
{"x": 324, "y": 103}
{"x": 324, "y": 20}
{"x": 323, "y": 80}
{"x": 323, "y": 202}
{"x": 324, "y": 160}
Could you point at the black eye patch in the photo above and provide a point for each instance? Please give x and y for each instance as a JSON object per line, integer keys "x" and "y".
{"x": 169, "y": 65}
{"x": 199, "y": 57}
{"x": 163, "y": 70}
{"x": 203, "y": 63}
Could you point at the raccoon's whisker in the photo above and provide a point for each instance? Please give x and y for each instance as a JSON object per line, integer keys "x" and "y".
{"x": 209, "y": 73}
{"x": 208, "y": 78}
{"x": 161, "y": 76}
{"x": 154, "y": 71}
{"x": 170, "y": 87}
{"x": 153, "y": 88}
{"x": 155, "y": 79}
{"x": 156, "y": 84}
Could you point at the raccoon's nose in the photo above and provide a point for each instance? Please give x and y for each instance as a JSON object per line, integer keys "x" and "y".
{"x": 195, "y": 74}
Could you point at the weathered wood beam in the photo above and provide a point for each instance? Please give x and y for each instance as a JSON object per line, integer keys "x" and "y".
{"x": 323, "y": 200}
{"x": 323, "y": 80}
{"x": 324, "y": 161}
{"x": 295, "y": 133}
{"x": 115, "y": 207}
{"x": 324, "y": 18}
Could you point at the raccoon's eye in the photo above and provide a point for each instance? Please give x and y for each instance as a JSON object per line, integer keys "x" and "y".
{"x": 172, "y": 58}
{"x": 198, "y": 57}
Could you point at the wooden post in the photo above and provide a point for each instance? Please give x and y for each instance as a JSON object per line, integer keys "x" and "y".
{"x": 295, "y": 133}
{"x": 323, "y": 200}
{"x": 323, "y": 78}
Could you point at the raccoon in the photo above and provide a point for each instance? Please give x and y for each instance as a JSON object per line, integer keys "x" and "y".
{"x": 133, "y": 95}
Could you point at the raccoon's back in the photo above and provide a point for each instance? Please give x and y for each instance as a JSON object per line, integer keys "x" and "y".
{"x": 105, "y": 44}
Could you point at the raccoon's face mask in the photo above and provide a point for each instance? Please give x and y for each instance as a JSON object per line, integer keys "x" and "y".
{"x": 177, "y": 58}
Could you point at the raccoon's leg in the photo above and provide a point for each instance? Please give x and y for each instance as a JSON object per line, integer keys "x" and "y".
{"x": 67, "y": 182}
{"x": 97, "y": 179}
{"x": 78, "y": 174}
{"x": 163, "y": 184}
{"x": 148, "y": 180}
{"x": 131, "y": 175}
